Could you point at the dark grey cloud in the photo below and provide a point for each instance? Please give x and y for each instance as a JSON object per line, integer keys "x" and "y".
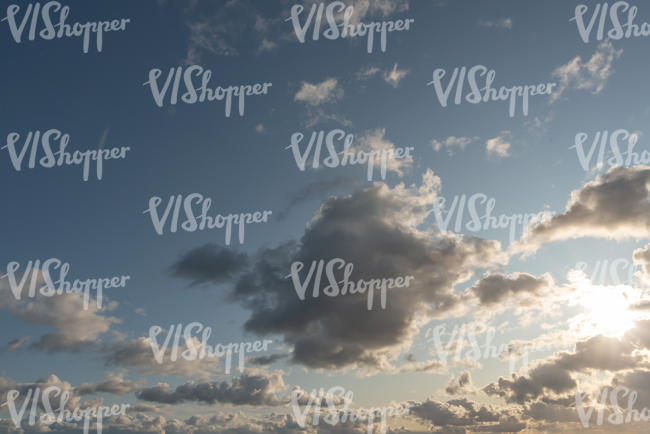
{"x": 248, "y": 389}
{"x": 16, "y": 344}
{"x": 209, "y": 263}
{"x": 375, "y": 229}
{"x": 266, "y": 360}
{"x": 614, "y": 206}
{"x": 495, "y": 288}
{"x": 553, "y": 376}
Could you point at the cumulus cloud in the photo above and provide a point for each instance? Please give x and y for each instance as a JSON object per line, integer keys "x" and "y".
{"x": 77, "y": 328}
{"x": 319, "y": 93}
{"x": 591, "y": 76}
{"x": 375, "y": 229}
{"x": 613, "y": 206}
{"x": 553, "y": 377}
{"x": 461, "y": 385}
{"x": 461, "y": 413}
{"x": 248, "y": 389}
{"x": 138, "y": 354}
{"x": 113, "y": 383}
{"x": 375, "y": 140}
{"x": 499, "y": 146}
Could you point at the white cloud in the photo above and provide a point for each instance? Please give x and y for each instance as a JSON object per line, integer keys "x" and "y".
{"x": 366, "y": 73}
{"x": 395, "y": 76}
{"x": 316, "y": 94}
{"x": 267, "y": 45}
{"x": 591, "y": 75}
{"x": 452, "y": 142}
{"x": 375, "y": 141}
{"x": 499, "y": 145}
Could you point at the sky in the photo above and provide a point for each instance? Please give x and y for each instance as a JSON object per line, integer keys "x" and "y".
{"x": 564, "y": 295}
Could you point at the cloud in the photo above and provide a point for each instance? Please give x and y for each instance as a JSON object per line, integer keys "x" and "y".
{"x": 209, "y": 263}
{"x": 461, "y": 385}
{"x": 313, "y": 190}
{"x": 641, "y": 257}
{"x": 367, "y": 73}
{"x": 374, "y": 8}
{"x": 395, "y": 75}
{"x": 591, "y": 75}
{"x": 501, "y": 23}
{"x": 375, "y": 140}
{"x": 459, "y": 413}
{"x": 496, "y": 288}
{"x": 113, "y": 383}
{"x": 428, "y": 366}
{"x": 319, "y": 93}
{"x": 76, "y": 328}
{"x": 16, "y": 344}
{"x": 553, "y": 376}
{"x": 7, "y": 384}
{"x": 210, "y": 34}
{"x": 375, "y": 229}
{"x": 613, "y": 206}
{"x": 453, "y": 142}
{"x": 137, "y": 353}
{"x": 267, "y": 45}
{"x": 317, "y": 116}
{"x": 248, "y": 389}
{"x": 499, "y": 145}
{"x": 267, "y": 360}
{"x": 223, "y": 29}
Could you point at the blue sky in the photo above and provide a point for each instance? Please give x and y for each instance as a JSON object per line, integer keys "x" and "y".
{"x": 242, "y": 164}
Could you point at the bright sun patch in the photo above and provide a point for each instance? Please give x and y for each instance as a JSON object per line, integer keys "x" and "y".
{"x": 606, "y": 308}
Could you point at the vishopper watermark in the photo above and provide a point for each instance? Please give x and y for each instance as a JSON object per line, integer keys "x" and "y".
{"x": 51, "y": 30}
{"x": 464, "y": 344}
{"x": 202, "y": 350}
{"x": 344, "y": 286}
{"x": 347, "y": 156}
{"x": 55, "y": 138}
{"x": 607, "y": 271}
{"x": 341, "y": 415}
{"x": 617, "y": 30}
{"x": 200, "y": 220}
{"x": 486, "y": 221}
{"x": 617, "y": 416}
{"x": 61, "y": 285}
{"x": 348, "y": 30}
{"x": 203, "y": 93}
{"x": 616, "y": 140}
{"x": 486, "y": 93}
{"x": 35, "y": 397}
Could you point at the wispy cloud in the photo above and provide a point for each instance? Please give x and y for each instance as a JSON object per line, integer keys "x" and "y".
{"x": 591, "y": 75}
